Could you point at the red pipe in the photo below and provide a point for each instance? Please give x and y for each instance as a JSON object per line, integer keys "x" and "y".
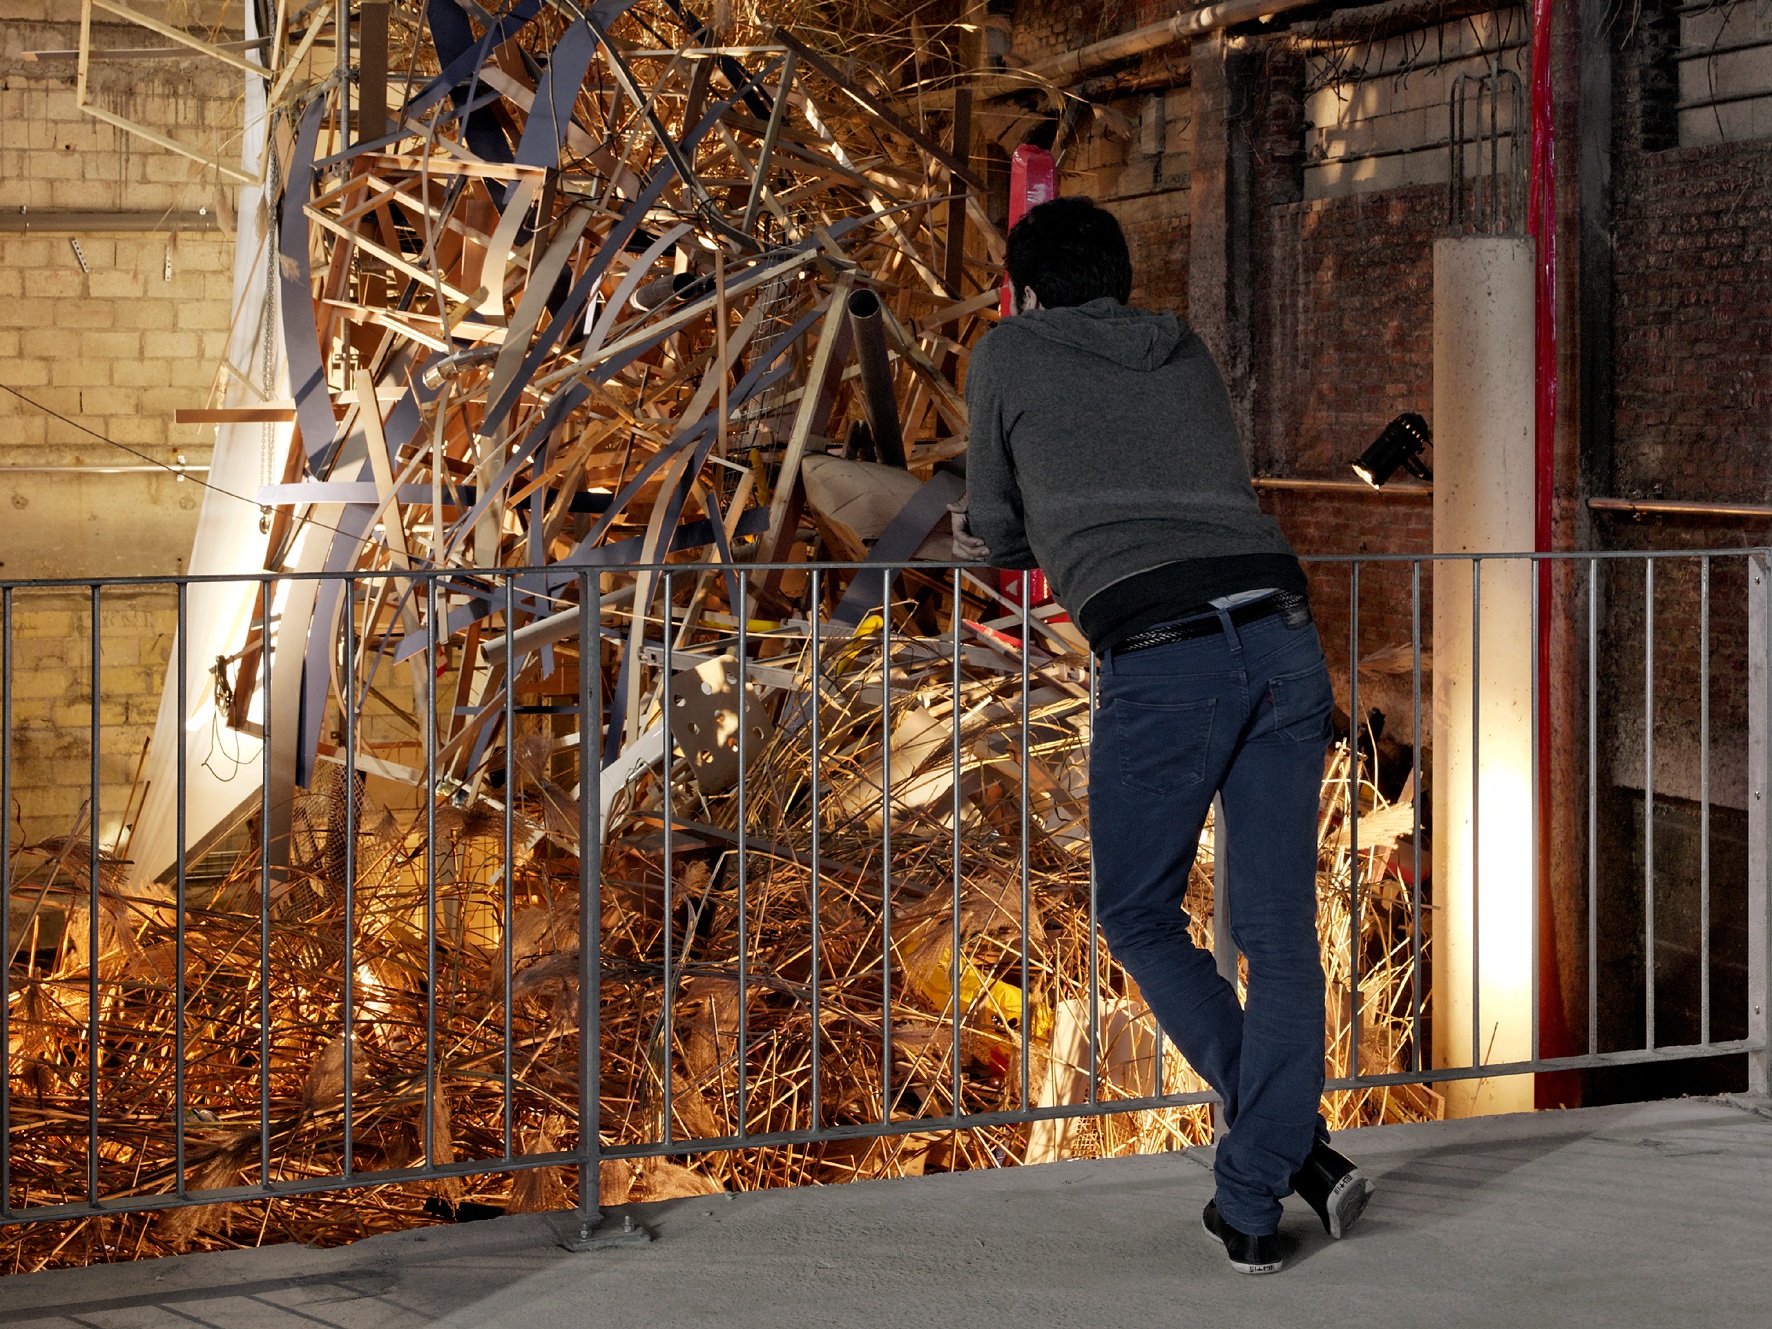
{"x": 1550, "y": 1090}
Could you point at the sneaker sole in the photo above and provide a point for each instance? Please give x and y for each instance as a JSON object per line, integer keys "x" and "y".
{"x": 1239, "y": 1265}
{"x": 1346, "y": 1203}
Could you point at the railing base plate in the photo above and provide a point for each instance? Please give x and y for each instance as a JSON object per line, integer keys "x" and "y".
{"x": 578, "y": 1234}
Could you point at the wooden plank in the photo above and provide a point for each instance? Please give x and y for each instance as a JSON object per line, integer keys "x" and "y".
{"x": 372, "y": 70}
{"x": 479, "y": 170}
{"x": 821, "y": 381}
{"x": 868, "y": 102}
{"x": 760, "y": 175}
{"x": 180, "y": 36}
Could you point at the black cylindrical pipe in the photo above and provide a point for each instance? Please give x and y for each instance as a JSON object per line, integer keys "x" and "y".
{"x": 867, "y": 321}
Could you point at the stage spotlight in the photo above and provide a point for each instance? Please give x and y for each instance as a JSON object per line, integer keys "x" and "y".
{"x": 1399, "y": 447}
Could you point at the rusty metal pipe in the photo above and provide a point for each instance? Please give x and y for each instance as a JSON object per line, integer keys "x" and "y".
{"x": 867, "y": 321}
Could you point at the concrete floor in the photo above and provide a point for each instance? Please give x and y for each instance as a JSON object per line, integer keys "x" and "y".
{"x": 1654, "y": 1214}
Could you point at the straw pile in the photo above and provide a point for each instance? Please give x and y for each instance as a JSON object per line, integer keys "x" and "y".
{"x": 698, "y": 1047}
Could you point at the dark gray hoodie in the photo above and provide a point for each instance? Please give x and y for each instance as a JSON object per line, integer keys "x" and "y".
{"x": 1103, "y": 451}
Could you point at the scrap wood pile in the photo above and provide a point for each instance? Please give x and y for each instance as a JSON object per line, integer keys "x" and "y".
{"x": 732, "y": 1037}
{"x": 609, "y": 291}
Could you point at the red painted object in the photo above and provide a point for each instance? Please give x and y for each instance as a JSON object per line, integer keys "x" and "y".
{"x": 1554, "y": 1038}
{"x": 1033, "y": 180}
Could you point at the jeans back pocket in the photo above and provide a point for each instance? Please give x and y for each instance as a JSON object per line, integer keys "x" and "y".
{"x": 1163, "y": 749}
{"x": 1302, "y": 701}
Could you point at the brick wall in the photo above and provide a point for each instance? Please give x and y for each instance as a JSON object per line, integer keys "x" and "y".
{"x": 116, "y": 349}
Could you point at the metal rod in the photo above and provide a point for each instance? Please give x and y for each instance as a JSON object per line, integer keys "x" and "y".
{"x": 437, "y": 628}
{"x": 181, "y": 705}
{"x": 1415, "y": 805}
{"x": 1476, "y": 806}
{"x": 1593, "y": 806}
{"x": 350, "y": 886}
{"x": 590, "y": 895}
{"x": 1536, "y": 806}
{"x": 813, "y": 616}
{"x": 1649, "y": 802}
{"x": 269, "y": 661}
{"x": 1353, "y": 818}
{"x": 1024, "y": 756}
{"x": 885, "y": 845}
{"x": 743, "y": 610}
{"x": 956, "y": 810}
{"x": 92, "y": 944}
{"x": 1094, "y": 937}
{"x": 6, "y": 671}
{"x": 586, "y": 733}
{"x": 667, "y": 703}
{"x": 1704, "y": 799}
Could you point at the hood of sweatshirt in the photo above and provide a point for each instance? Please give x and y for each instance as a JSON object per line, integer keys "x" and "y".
{"x": 1136, "y": 338}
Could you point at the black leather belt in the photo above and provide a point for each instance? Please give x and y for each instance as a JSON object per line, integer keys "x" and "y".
{"x": 1208, "y": 623}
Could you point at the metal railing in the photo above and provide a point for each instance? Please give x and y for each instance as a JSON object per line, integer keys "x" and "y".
{"x": 304, "y": 1021}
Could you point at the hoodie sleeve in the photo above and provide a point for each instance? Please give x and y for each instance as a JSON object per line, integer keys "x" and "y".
{"x": 994, "y": 514}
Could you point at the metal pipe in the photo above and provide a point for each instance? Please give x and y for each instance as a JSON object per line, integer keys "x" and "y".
{"x": 867, "y": 322}
{"x": 1315, "y": 484}
{"x": 1649, "y": 803}
{"x": 1073, "y": 65}
{"x": 59, "y": 220}
{"x": 102, "y": 470}
{"x": 1642, "y": 507}
{"x": 6, "y": 904}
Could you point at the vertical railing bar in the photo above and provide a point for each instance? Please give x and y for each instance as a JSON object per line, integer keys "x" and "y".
{"x": 666, "y": 703}
{"x": 267, "y": 663}
{"x": 1415, "y": 800}
{"x": 432, "y": 641}
{"x": 6, "y": 665}
{"x": 92, "y": 952}
{"x": 816, "y": 671}
{"x": 1094, "y": 938}
{"x": 885, "y": 845}
{"x": 1704, "y": 799}
{"x": 1353, "y": 819}
{"x": 350, "y": 890}
{"x": 1024, "y": 757}
{"x": 1593, "y": 806}
{"x": 586, "y": 732}
{"x": 743, "y": 610}
{"x": 957, "y": 807}
{"x": 1536, "y": 805}
{"x": 590, "y": 890}
{"x": 1649, "y": 803}
{"x": 181, "y": 706}
{"x": 1476, "y": 809}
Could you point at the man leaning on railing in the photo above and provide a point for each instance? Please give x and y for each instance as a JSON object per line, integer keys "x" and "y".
{"x": 1104, "y": 452}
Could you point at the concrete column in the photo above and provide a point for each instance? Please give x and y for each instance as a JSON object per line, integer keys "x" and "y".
{"x": 1483, "y": 487}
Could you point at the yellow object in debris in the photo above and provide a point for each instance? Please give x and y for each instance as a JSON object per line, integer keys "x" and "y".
{"x": 1002, "y": 1000}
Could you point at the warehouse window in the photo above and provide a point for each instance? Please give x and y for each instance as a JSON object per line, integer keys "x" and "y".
{"x": 1725, "y": 62}
{"x": 1377, "y": 112}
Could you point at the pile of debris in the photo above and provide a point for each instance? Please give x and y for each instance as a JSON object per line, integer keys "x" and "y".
{"x": 673, "y": 312}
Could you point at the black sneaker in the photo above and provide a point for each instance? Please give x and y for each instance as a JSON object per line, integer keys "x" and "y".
{"x": 1249, "y": 1255}
{"x": 1334, "y": 1187}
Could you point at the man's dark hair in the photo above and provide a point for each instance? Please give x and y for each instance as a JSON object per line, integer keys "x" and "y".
{"x": 1071, "y": 252}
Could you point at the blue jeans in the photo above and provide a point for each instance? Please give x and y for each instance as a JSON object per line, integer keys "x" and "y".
{"x": 1244, "y": 712}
